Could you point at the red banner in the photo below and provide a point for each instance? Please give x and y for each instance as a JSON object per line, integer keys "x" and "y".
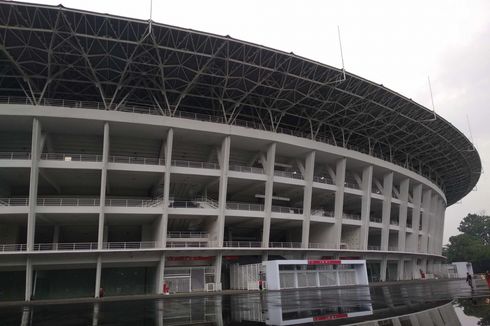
{"x": 325, "y": 262}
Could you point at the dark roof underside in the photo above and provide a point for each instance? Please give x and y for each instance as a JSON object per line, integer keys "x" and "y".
{"x": 57, "y": 53}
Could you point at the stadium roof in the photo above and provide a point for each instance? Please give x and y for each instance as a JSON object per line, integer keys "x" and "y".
{"x": 51, "y": 52}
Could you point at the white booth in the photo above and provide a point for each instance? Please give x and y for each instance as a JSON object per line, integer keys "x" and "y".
{"x": 293, "y": 274}
{"x": 462, "y": 267}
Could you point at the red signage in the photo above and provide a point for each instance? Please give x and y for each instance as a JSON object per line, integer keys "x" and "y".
{"x": 330, "y": 317}
{"x": 325, "y": 262}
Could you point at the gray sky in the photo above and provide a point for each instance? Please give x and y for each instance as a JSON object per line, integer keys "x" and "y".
{"x": 394, "y": 43}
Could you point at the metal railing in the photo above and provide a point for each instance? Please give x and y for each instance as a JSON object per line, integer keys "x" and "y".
{"x": 242, "y": 244}
{"x": 393, "y": 248}
{"x": 321, "y": 245}
{"x": 136, "y": 160}
{"x": 245, "y": 206}
{"x": 288, "y": 210}
{"x": 374, "y": 248}
{"x": 288, "y": 174}
{"x": 129, "y": 245}
{"x": 188, "y": 244}
{"x": 321, "y": 212}
{"x": 284, "y": 244}
{"x": 116, "y": 202}
{"x": 187, "y": 235}
{"x": 351, "y": 216}
{"x": 352, "y": 185}
{"x": 13, "y": 247}
{"x": 146, "y": 109}
{"x": 15, "y": 155}
{"x": 195, "y": 164}
{"x": 323, "y": 180}
{"x": 375, "y": 219}
{"x": 394, "y": 222}
{"x": 65, "y": 246}
{"x": 14, "y": 201}
{"x": 68, "y": 202}
{"x": 247, "y": 169}
{"x": 71, "y": 157}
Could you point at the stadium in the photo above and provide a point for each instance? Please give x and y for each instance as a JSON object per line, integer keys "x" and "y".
{"x": 135, "y": 154}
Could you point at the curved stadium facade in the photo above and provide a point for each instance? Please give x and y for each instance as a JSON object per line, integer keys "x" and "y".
{"x": 134, "y": 152}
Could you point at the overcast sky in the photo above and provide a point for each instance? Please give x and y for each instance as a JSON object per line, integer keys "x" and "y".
{"x": 394, "y": 43}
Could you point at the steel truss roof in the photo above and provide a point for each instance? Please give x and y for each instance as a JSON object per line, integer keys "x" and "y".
{"x": 60, "y": 53}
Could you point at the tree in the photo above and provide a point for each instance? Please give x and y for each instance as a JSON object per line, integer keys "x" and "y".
{"x": 477, "y": 226}
{"x": 473, "y": 244}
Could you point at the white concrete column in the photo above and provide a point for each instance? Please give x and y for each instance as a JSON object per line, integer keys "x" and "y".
{"x": 415, "y": 269}
{"x": 162, "y": 228}
{"x": 383, "y": 267}
{"x": 434, "y": 208}
{"x": 387, "y": 193}
{"x": 160, "y": 275}
{"x": 28, "y": 291}
{"x": 307, "y": 195}
{"x": 441, "y": 234}
{"x": 269, "y": 186}
{"x": 367, "y": 182}
{"x": 217, "y": 268}
{"x": 224, "y": 162}
{"x": 417, "y": 200}
{"x": 33, "y": 182}
{"x": 56, "y": 234}
{"x": 98, "y": 276}
{"x": 400, "y": 269}
{"x": 103, "y": 186}
{"x": 426, "y": 204}
{"x": 339, "y": 201}
{"x": 402, "y": 220}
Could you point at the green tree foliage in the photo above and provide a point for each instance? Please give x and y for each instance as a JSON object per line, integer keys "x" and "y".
{"x": 473, "y": 244}
{"x": 477, "y": 226}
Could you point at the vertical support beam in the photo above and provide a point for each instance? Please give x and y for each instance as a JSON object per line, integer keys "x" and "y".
{"x": 367, "y": 181}
{"x": 417, "y": 202}
{"x": 387, "y": 190}
{"x": 223, "y": 186}
{"x": 383, "y": 267}
{"x": 339, "y": 200}
{"x": 402, "y": 213}
{"x": 28, "y": 292}
{"x": 434, "y": 208}
{"x": 103, "y": 186}
{"x": 163, "y": 223}
{"x": 307, "y": 195}
{"x": 160, "y": 275}
{"x": 269, "y": 185}
{"x": 33, "y": 182}
{"x": 98, "y": 276}
{"x": 400, "y": 268}
{"x": 441, "y": 234}
{"x": 426, "y": 216}
{"x": 217, "y": 269}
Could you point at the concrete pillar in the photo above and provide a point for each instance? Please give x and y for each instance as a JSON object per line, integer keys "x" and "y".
{"x": 383, "y": 267}
{"x": 269, "y": 185}
{"x": 339, "y": 201}
{"x": 434, "y": 208}
{"x": 415, "y": 269}
{"x": 33, "y": 182}
{"x": 224, "y": 162}
{"x": 417, "y": 200}
{"x": 400, "y": 269}
{"x": 426, "y": 204}
{"x": 98, "y": 276}
{"x": 367, "y": 181}
{"x": 162, "y": 227}
{"x": 387, "y": 193}
{"x": 56, "y": 234}
{"x": 160, "y": 275}
{"x": 307, "y": 195}
{"x": 402, "y": 220}
{"x": 217, "y": 268}
{"x": 28, "y": 291}
{"x": 103, "y": 186}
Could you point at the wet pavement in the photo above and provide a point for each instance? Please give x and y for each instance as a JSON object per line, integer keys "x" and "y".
{"x": 417, "y": 303}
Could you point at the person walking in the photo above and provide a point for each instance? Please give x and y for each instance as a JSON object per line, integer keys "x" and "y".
{"x": 487, "y": 278}
{"x": 469, "y": 280}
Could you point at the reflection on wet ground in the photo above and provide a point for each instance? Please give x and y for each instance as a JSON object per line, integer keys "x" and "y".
{"x": 428, "y": 303}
